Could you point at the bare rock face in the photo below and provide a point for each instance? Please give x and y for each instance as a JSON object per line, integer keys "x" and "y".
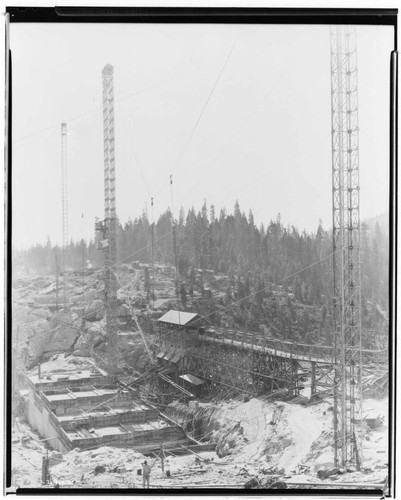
{"x": 81, "y": 344}
{"x": 94, "y": 311}
{"x": 82, "y": 347}
{"x": 21, "y": 314}
{"x": 46, "y": 300}
{"x": 91, "y": 339}
{"x": 53, "y": 336}
{"x": 39, "y": 339}
{"x": 83, "y": 297}
{"x": 62, "y": 339}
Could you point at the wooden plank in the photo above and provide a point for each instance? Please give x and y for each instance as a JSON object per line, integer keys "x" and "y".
{"x": 337, "y": 484}
{"x": 169, "y": 453}
{"x": 198, "y": 486}
{"x": 186, "y": 448}
{"x": 204, "y": 447}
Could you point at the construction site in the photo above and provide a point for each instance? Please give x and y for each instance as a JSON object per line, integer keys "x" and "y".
{"x": 115, "y": 364}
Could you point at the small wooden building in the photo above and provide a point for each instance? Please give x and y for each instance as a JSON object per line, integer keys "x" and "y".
{"x": 192, "y": 384}
{"x": 180, "y": 320}
{"x": 177, "y": 332}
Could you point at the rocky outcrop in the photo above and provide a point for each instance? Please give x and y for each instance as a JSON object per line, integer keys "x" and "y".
{"x": 22, "y": 314}
{"x": 82, "y": 297}
{"x": 94, "y": 311}
{"x": 49, "y": 337}
{"x": 89, "y": 340}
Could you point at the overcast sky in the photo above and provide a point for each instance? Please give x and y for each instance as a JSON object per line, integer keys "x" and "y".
{"x": 233, "y": 112}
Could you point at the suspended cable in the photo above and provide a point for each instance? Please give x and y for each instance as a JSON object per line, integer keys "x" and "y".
{"x": 65, "y": 323}
{"x": 202, "y": 112}
{"x": 153, "y": 252}
{"x": 228, "y": 142}
{"x": 134, "y": 155}
{"x": 99, "y": 108}
{"x": 263, "y": 289}
{"x": 159, "y": 239}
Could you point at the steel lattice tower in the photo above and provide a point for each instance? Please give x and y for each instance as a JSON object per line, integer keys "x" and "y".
{"x": 346, "y": 246}
{"x": 64, "y": 203}
{"x": 110, "y": 222}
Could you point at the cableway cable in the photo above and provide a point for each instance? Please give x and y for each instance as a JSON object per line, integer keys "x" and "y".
{"x": 202, "y": 112}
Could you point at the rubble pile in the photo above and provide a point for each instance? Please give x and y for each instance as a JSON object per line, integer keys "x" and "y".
{"x": 294, "y": 442}
{"x": 265, "y": 431}
{"x": 86, "y": 467}
{"x": 376, "y": 381}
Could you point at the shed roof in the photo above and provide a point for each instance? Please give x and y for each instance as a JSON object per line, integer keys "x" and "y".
{"x": 169, "y": 355}
{"x": 192, "y": 379}
{"x": 180, "y": 318}
{"x": 176, "y": 358}
{"x": 173, "y": 356}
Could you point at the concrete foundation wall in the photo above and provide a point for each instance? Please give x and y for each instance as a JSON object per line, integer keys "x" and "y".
{"x": 48, "y": 385}
{"x": 138, "y": 440}
{"x": 46, "y": 424}
{"x": 64, "y": 435}
{"x": 83, "y": 403}
{"x": 112, "y": 419}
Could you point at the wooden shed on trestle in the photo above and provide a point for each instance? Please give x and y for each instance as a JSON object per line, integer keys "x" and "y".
{"x": 178, "y": 331}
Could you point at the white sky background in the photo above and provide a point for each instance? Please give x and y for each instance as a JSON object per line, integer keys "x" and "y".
{"x": 264, "y": 137}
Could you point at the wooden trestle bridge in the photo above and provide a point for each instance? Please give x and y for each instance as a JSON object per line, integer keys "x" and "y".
{"x": 255, "y": 364}
{"x": 250, "y": 363}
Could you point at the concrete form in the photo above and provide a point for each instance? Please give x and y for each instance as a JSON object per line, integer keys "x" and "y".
{"x": 86, "y": 409}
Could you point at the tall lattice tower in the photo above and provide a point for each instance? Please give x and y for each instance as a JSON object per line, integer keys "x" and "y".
{"x": 108, "y": 227}
{"x": 64, "y": 203}
{"x": 346, "y": 246}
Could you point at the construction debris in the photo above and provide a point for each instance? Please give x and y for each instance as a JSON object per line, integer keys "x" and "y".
{"x": 374, "y": 421}
{"x": 279, "y": 441}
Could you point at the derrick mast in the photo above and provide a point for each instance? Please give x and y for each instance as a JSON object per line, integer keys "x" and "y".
{"x": 346, "y": 246}
{"x": 108, "y": 227}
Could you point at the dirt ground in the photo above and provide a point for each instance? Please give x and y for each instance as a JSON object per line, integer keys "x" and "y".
{"x": 254, "y": 439}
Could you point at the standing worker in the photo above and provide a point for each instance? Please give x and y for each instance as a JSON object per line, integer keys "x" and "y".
{"x": 168, "y": 467}
{"x": 145, "y": 474}
{"x": 162, "y": 456}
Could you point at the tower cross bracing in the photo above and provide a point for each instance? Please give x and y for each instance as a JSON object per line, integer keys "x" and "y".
{"x": 346, "y": 246}
{"x": 110, "y": 222}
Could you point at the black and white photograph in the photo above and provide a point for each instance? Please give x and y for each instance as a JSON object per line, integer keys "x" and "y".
{"x": 200, "y": 265}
